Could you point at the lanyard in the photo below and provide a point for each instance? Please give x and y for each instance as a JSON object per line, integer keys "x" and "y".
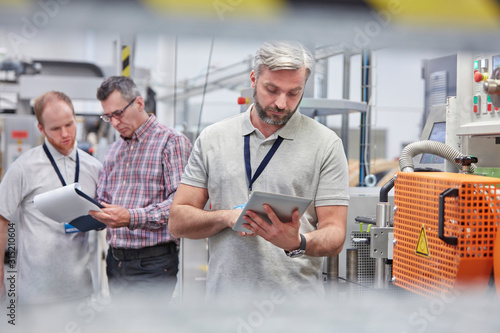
{"x": 54, "y": 165}
{"x": 264, "y": 162}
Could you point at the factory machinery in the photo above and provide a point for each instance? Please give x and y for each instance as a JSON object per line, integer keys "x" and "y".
{"x": 440, "y": 234}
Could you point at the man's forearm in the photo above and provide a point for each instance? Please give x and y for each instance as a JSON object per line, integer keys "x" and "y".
{"x": 325, "y": 242}
{"x": 191, "y": 222}
{"x": 329, "y": 238}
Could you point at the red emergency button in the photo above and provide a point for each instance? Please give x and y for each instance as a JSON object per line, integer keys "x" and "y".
{"x": 478, "y": 77}
{"x": 243, "y": 100}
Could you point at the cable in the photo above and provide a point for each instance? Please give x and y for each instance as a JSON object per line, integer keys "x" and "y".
{"x": 205, "y": 86}
{"x": 366, "y": 159}
{"x": 352, "y": 282}
{"x": 366, "y": 97}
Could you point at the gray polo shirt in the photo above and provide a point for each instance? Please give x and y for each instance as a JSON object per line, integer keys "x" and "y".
{"x": 309, "y": 163}
{"x": 51, "y": 264}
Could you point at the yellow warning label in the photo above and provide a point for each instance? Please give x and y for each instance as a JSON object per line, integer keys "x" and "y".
{"x": 422, "y": 245}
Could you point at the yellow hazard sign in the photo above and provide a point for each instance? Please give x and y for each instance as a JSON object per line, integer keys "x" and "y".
{"x": 422, "y": 245}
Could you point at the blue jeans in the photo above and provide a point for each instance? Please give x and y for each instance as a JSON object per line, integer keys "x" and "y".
{"x": 146, "y": 275}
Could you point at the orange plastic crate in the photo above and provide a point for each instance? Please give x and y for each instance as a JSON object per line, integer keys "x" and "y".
{"x": 422, "y": 262}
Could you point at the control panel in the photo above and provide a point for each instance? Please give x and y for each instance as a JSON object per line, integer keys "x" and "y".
{"x": 484, "y": 104}
{"x": 480, "y": 106}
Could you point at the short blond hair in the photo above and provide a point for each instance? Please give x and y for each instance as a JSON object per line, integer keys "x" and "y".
{"x": 41, "y": 102}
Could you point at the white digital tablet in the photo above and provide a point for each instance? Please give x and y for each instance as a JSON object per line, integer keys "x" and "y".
{"x": 282, "y": 205}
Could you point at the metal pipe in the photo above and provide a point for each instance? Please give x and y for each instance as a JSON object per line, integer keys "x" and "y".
{"x": 346, "y": 95}
{"x": 379, "y": 277}
{"x": 352, "y": 265}
{"x": 383, "y": 214}
{"x": 382, "y": 220}
{"x": 332, "y": 268}
{"x": 332, "y": 274}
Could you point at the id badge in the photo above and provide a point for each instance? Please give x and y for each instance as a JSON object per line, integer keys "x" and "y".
{"x": 69, "y": 229}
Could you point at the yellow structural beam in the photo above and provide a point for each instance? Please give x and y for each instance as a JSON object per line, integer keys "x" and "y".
{"x": 218, "y": 8}
{"x": 473, "y": 13}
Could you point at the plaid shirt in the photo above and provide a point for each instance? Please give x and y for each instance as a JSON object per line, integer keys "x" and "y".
{"x": 142, "y": 174}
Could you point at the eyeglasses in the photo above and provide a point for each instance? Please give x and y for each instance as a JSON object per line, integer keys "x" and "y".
{"x": 118, "y": 114}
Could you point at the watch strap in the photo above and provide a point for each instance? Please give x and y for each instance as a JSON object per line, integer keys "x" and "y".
{"x": 302, "y": 242}
{"x": 301, "y": 249}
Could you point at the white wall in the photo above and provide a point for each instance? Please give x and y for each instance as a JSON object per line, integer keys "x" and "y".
{"x": 397, "y": 102}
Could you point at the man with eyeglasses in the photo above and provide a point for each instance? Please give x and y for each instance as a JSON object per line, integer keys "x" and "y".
{"x": 141, "y": 172}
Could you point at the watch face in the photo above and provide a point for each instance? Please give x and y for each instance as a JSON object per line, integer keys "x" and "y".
{"x": 296, "y": 253}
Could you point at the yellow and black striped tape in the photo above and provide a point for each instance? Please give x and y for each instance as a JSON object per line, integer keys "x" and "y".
{"x": 126, "y": 61}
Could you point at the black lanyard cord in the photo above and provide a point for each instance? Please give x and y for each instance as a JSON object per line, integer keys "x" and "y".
{"x": 54, "y": 165}
{"x": 264, "y": 162}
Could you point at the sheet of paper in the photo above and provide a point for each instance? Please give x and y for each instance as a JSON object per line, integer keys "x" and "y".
{"x": 64, "y": 204}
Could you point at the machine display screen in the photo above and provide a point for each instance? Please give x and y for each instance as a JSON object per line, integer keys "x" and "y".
{"x": 438, "y": 133}
{"x": 496, "y": 61}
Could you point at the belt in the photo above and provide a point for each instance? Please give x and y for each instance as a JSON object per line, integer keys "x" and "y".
{"x": 145, "y": 252}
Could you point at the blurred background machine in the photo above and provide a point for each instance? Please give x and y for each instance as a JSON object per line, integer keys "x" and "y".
{"x": 19, "y": 134}
{"x": 23, "y": 81}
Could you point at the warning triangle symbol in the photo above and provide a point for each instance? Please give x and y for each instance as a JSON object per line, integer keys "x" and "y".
{"x": 422, "y": 245}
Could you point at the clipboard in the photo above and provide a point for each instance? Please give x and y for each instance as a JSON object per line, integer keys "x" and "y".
{"x": 69, "y": 203}
{"x": 87, "y": 222}
{"x": 282, "y": 205}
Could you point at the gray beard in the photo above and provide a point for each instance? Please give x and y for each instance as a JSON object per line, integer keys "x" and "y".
{"x": 269, "y": 120}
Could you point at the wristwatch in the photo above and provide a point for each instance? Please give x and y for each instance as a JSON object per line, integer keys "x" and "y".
{"x": 300, "y": 251}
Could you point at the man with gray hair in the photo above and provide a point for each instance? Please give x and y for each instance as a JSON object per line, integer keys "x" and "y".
{"x": 307, "y": 160}
{"x": 141, "y": 172}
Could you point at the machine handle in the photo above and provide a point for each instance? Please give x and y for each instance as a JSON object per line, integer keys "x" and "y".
{"x": 451, "y": 240}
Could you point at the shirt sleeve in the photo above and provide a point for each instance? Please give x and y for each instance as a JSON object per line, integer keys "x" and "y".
{"x": 175, "y": 157}
{"x": 333, "y": 187}
{"x": 102, "y": 184}
{"x": 196, "y": 173}
{"x": 11, "y": 191}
